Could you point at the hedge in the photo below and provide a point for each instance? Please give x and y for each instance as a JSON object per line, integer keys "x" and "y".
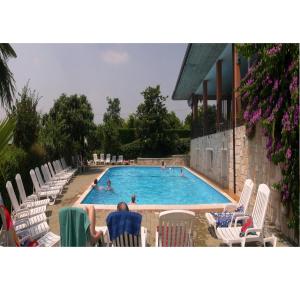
{"x": 131, "y": 150}
{"x": 182, "y": 133}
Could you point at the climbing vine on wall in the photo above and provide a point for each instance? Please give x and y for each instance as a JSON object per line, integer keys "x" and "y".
{"x": 270, "y": 95}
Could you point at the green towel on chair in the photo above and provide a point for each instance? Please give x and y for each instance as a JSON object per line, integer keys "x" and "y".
{"x": 74, "y": 227}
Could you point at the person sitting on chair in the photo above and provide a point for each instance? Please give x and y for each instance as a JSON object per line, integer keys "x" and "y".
{"x": 122, "y": 206}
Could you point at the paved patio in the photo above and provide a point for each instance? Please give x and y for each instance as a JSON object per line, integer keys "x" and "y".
{"x": 201, "y": 233}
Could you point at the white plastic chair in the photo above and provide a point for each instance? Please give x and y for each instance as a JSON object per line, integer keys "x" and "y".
{"x": 25, "y": 209}
{"x": 47, "y": 186}
{"x": 33, "y": 199}
{"x": 49, "y": 179}
{"x": 107, "y": 161}
{"x": 43, "y": 193}
{"x": 175, "y": 229}
{"x": 243, "y": 202}
{"x": 96, "y": 159}
{"x": 231, "y": 235}
{"x": 120, "y": 159}
{"x": 113, "y": 160}
{"x": 102, "y": 160}
{"x": 57, "y": 176}
{"x": 67, "y": 168}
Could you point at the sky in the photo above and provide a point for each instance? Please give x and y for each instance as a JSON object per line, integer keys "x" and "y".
{"x": 99, "y": 70}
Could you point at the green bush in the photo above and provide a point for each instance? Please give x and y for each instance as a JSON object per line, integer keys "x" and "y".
{"x": 183, "y": 146}
{"x": 181, "y": 133}
{"x": 131, "y": 150}
{"x": 13, "y": 161}
{"x": 127, "y": 135}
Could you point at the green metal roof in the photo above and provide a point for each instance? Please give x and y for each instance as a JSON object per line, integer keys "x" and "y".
{"x": 197, "y": 62}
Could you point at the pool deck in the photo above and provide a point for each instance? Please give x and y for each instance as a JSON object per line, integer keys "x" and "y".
{"x": 201, "y": 233}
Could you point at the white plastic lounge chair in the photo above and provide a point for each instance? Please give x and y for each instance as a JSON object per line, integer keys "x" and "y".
{"x": 102, "y": 160}
{"x": 43, "y": 193}
{"x": 57, "y": 176}
{"x": 113, "y": 160}
{"x": 33, "y": 199}
{"x": 243, "y": 202}
{"x": 96, "y": 159}
{"x": 25, "y": 209}
{"x": 120, "y": 159}
{"x": 48, "y": 178}
{"x": 107, "y": 161}
{"x": 175, "y": 229}
{"x": 49, "y": 186}
{"x": 231, "y": 235}
{"x": 59, "y": 170}
{"x": 67, "y": 168}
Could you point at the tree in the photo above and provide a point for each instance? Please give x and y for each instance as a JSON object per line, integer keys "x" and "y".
{"x": 27, "y": 118}
{"x": 67, "y": 125}
{"x": 7, "y": 88}
{"x": 174, "y": 121}
{"x": 154, "y": 123}
{"x": 113, "y": 112}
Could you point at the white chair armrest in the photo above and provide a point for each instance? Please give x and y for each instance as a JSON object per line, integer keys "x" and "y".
{"x": 234, "y": 216}
{"x": 240, "y": 219}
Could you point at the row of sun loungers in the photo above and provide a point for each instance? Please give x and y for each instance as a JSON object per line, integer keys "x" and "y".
{"x": 108, "y": 160}
{"x": 29, "y": 215}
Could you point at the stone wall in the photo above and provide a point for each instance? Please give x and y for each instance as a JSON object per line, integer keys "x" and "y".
{"x": 251, "y": 162}
{"x": 178, "y": 160}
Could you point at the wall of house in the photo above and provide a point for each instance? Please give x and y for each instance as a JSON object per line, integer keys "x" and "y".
{"x": 251, "y": 162}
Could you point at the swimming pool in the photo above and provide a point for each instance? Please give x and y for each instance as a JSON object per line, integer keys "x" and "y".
{"x": 154, "y": 186}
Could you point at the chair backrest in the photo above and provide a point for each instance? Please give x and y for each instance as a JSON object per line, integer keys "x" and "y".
{"x": 120, "y": 158}
{"x": 95, "y": 157}
{"x": 175, "y": 228}
{"x": 124, "y": 228}
{"x": 107, "y": 156}
{"x": 102, "y": 156}
{"x": 45, "y": 174}
{"x": 113, "y": 158}
{"x": 12, "y": 196}
{"x": 39, "y": 176}
{"x": 51, "y": 169}
{"x": 246, "y": 194}
{"x": 63, "y": 163}
{"x": 59, "y": 165}
{"x": 56, "y": 167}
{"x": 260, "y": 206}
{"x": 21, "y": 189}
{"x": 74, "y": 227}
{"x": 36, "y": 185}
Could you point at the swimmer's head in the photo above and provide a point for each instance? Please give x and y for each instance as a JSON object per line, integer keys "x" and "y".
{"x": 133, "y": 198}
{"x": 95, "y": 181}
{"x": 122, "y": 206}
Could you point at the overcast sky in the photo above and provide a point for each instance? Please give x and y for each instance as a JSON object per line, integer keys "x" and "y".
{"x": 99, "y": 70}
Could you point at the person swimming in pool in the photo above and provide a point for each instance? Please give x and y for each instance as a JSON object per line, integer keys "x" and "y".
{"x": 163, "y": 165}
{"x": 181, "y": 173}
{"x": 109, "y": 187}
{"x": 96, "y": 187}
{"x": 133, "y": 199}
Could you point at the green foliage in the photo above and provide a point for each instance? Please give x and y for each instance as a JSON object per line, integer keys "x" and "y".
{"x": 270, "y": 95}
{"x": 181, "y": 133}
{"x": 113, "y": 110}
{"x": 6, "y": 133}
{"x": 127, "y": 135}
{"x": 12, "y": 162}
{"x": 183, "y": 146}
{"x": 132, "y": 121}
{"x": 27, "y": 119}
{"x": 174, "y": 121}
{"x": 131, "y": 150}
{"x": 7, "y": 82}
{"x": 67, "y": 125}
{"x": 95, "y": 138}
{"x": 154, "y": 123}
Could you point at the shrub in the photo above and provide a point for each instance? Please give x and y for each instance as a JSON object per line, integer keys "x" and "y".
{"x": 183, "y": 146}
{"x": 127, "y": 135}
{"x": 181, "y": 133}
{"x": 12, "y": 162}
{"x": 131, "y": 150}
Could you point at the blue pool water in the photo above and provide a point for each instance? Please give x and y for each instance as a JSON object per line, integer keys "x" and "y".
{"x": 153, "y": 185}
